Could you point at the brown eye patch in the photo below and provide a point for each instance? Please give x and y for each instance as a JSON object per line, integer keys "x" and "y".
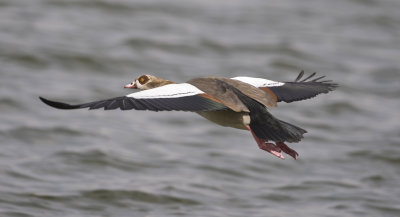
{"x": 143, "y": 79}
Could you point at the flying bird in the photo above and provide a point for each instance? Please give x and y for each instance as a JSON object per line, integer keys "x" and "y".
{"x": 239, "y": 102}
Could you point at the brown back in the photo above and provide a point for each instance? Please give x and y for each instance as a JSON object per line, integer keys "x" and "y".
{"x": 218, "y": 87}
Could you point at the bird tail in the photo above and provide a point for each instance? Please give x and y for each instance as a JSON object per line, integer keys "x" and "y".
{"x": 270, "y": 128}
{"x": 265, "y": 126}
{"x": 294, "y": 131}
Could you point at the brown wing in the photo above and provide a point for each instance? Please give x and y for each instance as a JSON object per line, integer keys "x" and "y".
{"x": 266, "y": 98}
{"x": 222, "y": 89}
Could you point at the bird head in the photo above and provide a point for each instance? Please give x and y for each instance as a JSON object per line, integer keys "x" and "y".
{"x": 145, "y": 82}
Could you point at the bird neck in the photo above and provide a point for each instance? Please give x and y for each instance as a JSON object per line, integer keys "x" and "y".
{"x": 160, "y": 82}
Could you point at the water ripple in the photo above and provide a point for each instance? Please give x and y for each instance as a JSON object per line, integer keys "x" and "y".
{"x": 390, "y": 157}
{"x": 107, "y": 196}
{"x": 101, "y": 159}
{"x": 109, "y": 163}
{"x": 26, "y": 133}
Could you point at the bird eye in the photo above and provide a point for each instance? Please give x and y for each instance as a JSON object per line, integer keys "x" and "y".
{"x": 143, "y": 79}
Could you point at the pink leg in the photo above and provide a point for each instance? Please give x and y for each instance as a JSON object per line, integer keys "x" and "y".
{"x": 264, "y": 145}
{"x": 287, "y": 150}
{"x": 274, "y": 149}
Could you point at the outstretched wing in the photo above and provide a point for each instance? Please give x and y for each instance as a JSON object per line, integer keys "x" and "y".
{"x": 177, "y": 97}
{"x": 293, "y": 91}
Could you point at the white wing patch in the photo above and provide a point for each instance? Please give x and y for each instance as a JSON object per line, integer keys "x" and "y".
{"x": 167, "y": 91}
{"x": 259, "y": 82}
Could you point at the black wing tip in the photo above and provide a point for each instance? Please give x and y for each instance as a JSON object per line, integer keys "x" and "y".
{"x": 58, "y": 105}
{"x": 190, "y": 103}
{"x": 299, "y": 76}
{"x": 304, "y": 88}
{"x": 329, "y": 83}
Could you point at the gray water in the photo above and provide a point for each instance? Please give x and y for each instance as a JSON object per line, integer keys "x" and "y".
{"x": 137, "y": 163}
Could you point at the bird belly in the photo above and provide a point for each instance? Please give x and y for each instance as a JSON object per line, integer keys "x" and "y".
{"x": 233, "y": 119}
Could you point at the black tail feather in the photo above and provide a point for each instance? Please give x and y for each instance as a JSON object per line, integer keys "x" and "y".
{"x": 273, "y": 129}
{"x": 266, "y": 126}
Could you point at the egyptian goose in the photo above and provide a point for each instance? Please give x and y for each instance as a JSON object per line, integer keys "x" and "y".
{"x": 239, "y": 102}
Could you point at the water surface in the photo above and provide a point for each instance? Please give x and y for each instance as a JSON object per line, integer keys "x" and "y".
{"x": 135, "y": 163}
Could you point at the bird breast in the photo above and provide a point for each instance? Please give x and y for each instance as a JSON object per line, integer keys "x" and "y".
{"x": 233, "y": 119}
